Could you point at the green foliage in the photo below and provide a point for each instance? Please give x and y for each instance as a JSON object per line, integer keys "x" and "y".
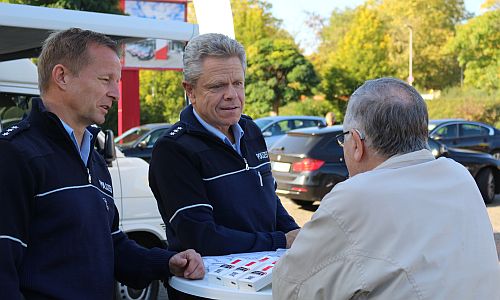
{"x": 109, "y": 6}
{"x": 467, "y": 103}
{"x": 161, "y": 96}
{"x": 361, "y": 54}
{"x": 477, "y": 44}
{"x": 253, "y": 21}
{"x": 373, "y": 41}
{"x": 311, "y": 107}
{"x": 277, "y": 74}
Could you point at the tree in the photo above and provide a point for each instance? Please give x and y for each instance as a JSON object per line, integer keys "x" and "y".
{"x": 477, "y": 45}
{"x": 253, "y": 21}
{"x": 433, "y": 23}
{"x": 361, "y": 53}
{"x": 277, "y": 74}
{"x": 161, "y": 96}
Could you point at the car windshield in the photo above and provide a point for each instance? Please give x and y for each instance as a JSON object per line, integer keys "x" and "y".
{"x": 262, "y": 123}
{"x": 131, "y": 136}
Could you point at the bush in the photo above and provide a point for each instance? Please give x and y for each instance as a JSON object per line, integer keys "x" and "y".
{"x": 469, "y": 104}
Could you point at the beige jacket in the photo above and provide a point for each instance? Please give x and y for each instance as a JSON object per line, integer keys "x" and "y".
{"x": 413, "y": 228}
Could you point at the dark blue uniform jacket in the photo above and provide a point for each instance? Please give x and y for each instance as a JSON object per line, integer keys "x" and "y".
{"x": 212, "y": 199}
{"x": 59, "y": 235}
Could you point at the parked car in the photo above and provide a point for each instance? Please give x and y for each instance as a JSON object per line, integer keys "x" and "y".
{"x": 307, "y": 163}
{"x": 139, "y": 141}
{"x": 464, "y": 134}
{"x": 276, "y": 127}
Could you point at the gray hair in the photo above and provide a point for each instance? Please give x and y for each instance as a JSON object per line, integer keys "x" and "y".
{"x": 211, "y": 45}
{"x": 392, "y": 115}
{"x": 69, "y": 48}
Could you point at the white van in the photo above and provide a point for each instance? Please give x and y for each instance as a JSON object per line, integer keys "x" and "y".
{"x": 139, "y": 216}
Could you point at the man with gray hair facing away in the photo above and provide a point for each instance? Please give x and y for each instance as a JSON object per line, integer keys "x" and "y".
{"x": 404, "y": 225}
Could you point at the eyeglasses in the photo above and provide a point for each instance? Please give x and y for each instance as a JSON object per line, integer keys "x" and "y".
{"x": 341, "y": 136}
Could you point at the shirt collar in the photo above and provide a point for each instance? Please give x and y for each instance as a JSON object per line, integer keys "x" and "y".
{"x": 237, "y": 132}
{"x": 84, "y": 150}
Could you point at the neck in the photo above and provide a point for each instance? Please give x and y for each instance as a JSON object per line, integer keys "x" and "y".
{"x": 65, "y": 115}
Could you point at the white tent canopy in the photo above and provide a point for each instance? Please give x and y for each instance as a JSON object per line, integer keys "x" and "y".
{"x": 23, "y": 28}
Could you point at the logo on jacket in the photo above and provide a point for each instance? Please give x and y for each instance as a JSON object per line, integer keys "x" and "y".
{"x": 106, "y": 186}
{"x": 262, "y": 155}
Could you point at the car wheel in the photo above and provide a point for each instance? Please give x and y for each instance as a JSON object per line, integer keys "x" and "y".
{"x": 128, "y": 293}
{"x": 486, "y": 183}
{"x": 496, "y": 154}
{"x": 302, "y": 202}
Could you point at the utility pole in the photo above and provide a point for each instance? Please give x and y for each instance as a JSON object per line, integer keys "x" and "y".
{"x": 410, "y": 56}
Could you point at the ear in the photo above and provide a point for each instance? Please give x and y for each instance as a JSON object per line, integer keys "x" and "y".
{"x": 359, "y": 149}
{"x": 60, "y": 76}
{"x": 189, "y": 91}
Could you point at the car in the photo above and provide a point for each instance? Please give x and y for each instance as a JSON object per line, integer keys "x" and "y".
{"x": 275, "y": 127}
{"x": 139, "y": 141}
{"x": 308, "y": 163}
{"x": 459, "y": 133}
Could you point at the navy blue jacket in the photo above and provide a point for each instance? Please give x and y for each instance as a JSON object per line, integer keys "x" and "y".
{"x": 59, "y": 236}
{"x": 212, "y": 199}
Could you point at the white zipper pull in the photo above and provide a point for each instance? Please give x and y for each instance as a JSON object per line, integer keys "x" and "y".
{"x": 246, "y": 164}
{"x": 90, "y": 177}
{"x": 260, "y": 177}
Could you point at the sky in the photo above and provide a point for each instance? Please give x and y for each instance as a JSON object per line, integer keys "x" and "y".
{"x": 292, "y": 13}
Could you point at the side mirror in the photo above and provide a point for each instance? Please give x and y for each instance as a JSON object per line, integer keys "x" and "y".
{"x": 267, "y": 134}
{"x": 142, "y": 145}
{"x": 435, "y": 136}
{"x": 109, "y": 147}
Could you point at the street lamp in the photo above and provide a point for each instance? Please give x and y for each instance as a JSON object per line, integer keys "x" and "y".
{"x": 410, "y": 56}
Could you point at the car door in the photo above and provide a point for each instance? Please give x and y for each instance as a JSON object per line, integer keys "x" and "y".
{"x": 474, "y": 137}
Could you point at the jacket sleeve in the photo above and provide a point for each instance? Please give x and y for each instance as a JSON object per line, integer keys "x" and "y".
{"x": 320, "y": 263}
{"x": 16, "y": 196}
{"x": 284, "y": 222}
{"x": 177, "y": 184}
{"x": 135, "y": 265}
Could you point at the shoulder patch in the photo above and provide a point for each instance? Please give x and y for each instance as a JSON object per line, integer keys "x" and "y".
{"x": 175, "y": 131}
{"x": 10, "y": 132}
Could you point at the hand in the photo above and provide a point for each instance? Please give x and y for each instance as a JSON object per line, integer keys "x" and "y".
{"x": 290, "y": 237}
{"x": 188, "y": 264}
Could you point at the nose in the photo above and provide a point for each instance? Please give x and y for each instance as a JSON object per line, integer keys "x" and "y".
{"x": 114, "y": 91}
{"x": 230, "y": 92}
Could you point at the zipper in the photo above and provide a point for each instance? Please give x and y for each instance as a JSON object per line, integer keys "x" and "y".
{"x": 90, "y": 177}
{"x": 260, "y": 178}
{"x": 246, "y": 165}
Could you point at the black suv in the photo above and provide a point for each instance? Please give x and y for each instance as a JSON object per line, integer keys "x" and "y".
{"x": 307, "y": 163}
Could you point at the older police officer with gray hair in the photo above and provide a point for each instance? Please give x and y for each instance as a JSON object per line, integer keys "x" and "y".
{"x": 211, "y": 173}
{"x": 404, "y": 225}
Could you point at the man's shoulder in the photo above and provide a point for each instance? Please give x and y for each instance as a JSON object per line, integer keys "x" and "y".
{"x": 14, "y": 131}
{"x": 175, "y": 131}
